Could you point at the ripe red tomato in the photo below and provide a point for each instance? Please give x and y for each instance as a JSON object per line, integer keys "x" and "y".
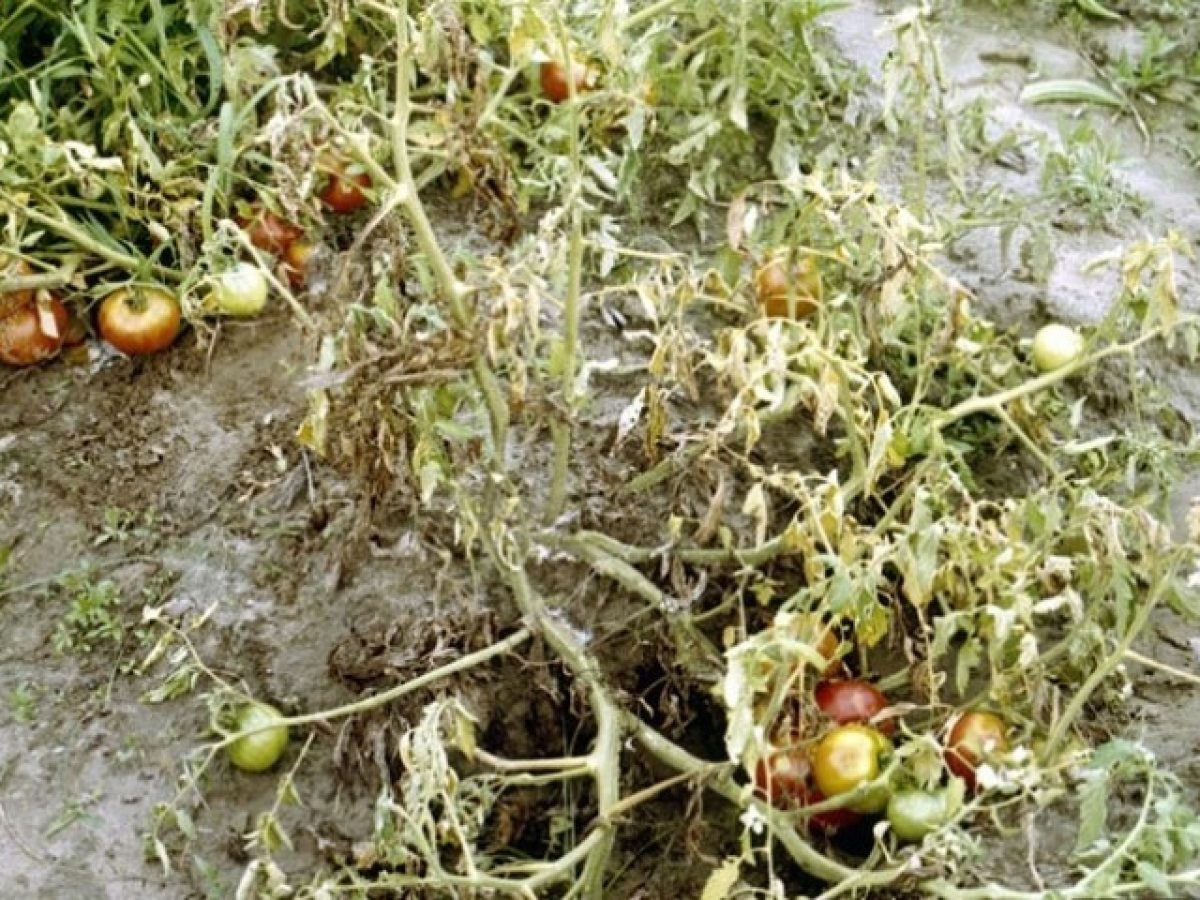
{"x": 140, "y": 320}
{"x": 33, "y": 333}
{"x": 973, "y": 738}
{"x": 297, "y": 258}
{"x": 268, "y": 231}
{"x": 344, "y": 191}
{"x": 553, "y": 76}
{"x": 853, "y": 700}
{"x": 789, "y": 288}
{"x": 785, "y": 779}
{"x": 847, "y": 757}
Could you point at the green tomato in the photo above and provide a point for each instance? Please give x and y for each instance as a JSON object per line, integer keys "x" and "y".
{"x": 259, "y": 751}
{"x": 240, "y": 292}
{"x": 915, "y": 813}
{"x": 1055, "y": 346}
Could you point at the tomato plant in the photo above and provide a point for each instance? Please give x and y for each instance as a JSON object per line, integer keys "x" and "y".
{"x": 1055, "y": 346}
{"x": 259, "y": 751}
{"x": 853, "y": 700}
{"x": 914, "y": 813}
{"x": 973, "y": 738}
{"x": 555, "y": 86}
{"x": 345, "y": 190}
{"x": 240, "y": 292}
{"x": 269, "y": 232}
{"x": 789, "y": 286}
{"x": 140, "y": 320}
{"x": 847, "y": 757}
{"x": 33, "y": 333}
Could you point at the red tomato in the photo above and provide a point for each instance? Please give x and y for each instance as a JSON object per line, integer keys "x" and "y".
{"x": 140, "y": 320}
{"x": 973, "y": 738}
{"x": 344, "y": 191}
{"x": 297, "y": 258}
{"x": 785, "y": 779}
{"x": 553, "y": 76}
{"x": 268, "y": 231}
{"x": 33, "y": 333}
{"x": 853, "y": 700}
{"x": 788, "y": 288}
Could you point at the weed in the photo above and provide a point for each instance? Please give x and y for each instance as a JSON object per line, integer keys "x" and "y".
{"x": 1081, "y": 174}
{"x": 94, "y": 616}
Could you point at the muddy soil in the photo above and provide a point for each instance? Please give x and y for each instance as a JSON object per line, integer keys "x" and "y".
{"x": 178, "y": 479}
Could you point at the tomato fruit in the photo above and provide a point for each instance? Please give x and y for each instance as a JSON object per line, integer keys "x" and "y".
{"x": 973, "y": 738}
{"x": 1055, "y": 346}
{"x": 847, "y": 757}
{"x": 785, "y": 779}
{"x": 259, "y": 751}
{"x": 139, "y": 320}
{"x": 298, "y": 257}
{"x": 853, "y": 700}
{"x": 13, "y": 301}
{"x": 344, "y": 191}
{"x": 788, "y": 287}
{"x": 553, "y": 77}
{"x": 915, "y": 813}
{"x": 270, "y": 232}
{"x": 33, "y": 333}
{"x": 240, "y": 292}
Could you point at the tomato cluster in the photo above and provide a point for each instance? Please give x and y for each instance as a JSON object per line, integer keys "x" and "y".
{"x": 844, "y": 750}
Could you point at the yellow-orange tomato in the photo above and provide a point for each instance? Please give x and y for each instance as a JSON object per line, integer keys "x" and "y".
{"x": 848, "y": 757}
{"x": 789, "y": 287}
{"x": 33, "y": 333}
{"x": 139, "y": 320}
{"x": 297, "y": 258}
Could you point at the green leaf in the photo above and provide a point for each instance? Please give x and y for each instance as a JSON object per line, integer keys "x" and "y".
{"x": 1154, "y": 879}
{"x": 1093, "y": 811}
{"x": 1069, "y": 90}
{"x": 722, "y": 880}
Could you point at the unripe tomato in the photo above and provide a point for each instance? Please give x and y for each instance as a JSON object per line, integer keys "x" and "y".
{"x": 553, "y": 76}
{"x": 974, "y": 737}
{"x": 33, "y": 333}
{"x": 12, "y": 301}
{"x": 298, "y": 257}
{"x": 268, "y": 231}
{"x": 1055, "y": 346}
{"x": 847, "y": 757}
{"x": 915, "y": 813}
{"x": 789, "y": 288}
{"x": 785, "y": 779}
{"x": 259, "y": 751}
{"x": 140, "y": 320}
{"x": 240, "y": 292}
{"x": 344, "y": 190}
{"x": 853, "y": 700}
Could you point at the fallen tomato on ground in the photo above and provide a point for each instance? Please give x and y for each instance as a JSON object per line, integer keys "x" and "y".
{"x": 259, "y": 751}
{"x": 34, "y": 332}
{"x": 140, "y": 320}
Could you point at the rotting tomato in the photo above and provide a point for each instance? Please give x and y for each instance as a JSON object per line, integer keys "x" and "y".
{"x": 240, "y": 292}
{"x": 345, "y": 190}
{"x": 1055, "y": 346}
{"x": 785, "y": 779}
{"x": 788, "y": 286}
{"x": 34, "y": 332}
{"x": 140, "y": 320}
{"x": 553, "y": 77}
{"x": 268, "y": 231}
{"x": 974, "y": 737}
{"x": 853, "y": 700}
{"x": 298, "y": 258}
{"x": 847, "y": 757}
{"x": 914, "y": 813}
{"x": 259, "y": 751}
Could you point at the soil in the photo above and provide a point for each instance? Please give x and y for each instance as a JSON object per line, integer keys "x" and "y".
{"x": 179, "y": 479}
